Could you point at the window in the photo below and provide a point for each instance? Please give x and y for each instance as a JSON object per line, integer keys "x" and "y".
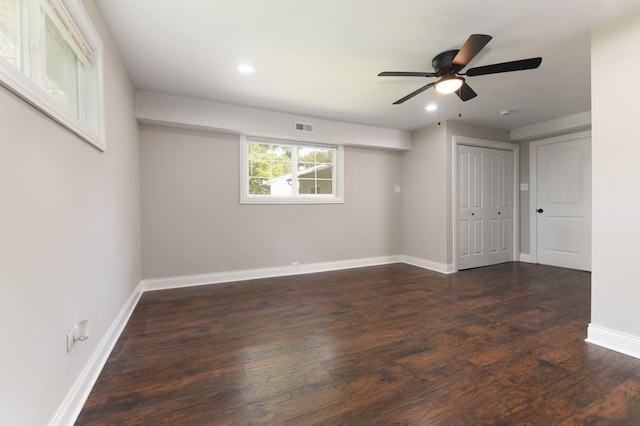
{"x": 285, "y": 172}
{"x": 51, "y": 56}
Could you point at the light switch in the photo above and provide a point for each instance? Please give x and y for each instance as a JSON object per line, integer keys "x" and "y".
{"x": 524, "y": 187}
{"x": 398, "y": 189}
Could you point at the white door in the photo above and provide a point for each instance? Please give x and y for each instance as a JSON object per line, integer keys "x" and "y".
{"x": 563, "y": 204}
{"x": 484, "y": 206}
{"x": 471, "y": 213}
{"x": 500, "y": 206}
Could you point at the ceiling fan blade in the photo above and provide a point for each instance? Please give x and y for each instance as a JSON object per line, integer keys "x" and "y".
{"x": 414, "y": 93}
{"x": 522, "y": 64}
{"x": 470, "y": 49}
{"x": 465, "y": 92}
{"x": 406, "y": 74}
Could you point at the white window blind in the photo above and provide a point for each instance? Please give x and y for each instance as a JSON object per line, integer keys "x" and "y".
{"x": 72, "y": 35}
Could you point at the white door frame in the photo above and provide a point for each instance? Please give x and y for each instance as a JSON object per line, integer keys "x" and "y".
{"x": 533, "y": 164}
{"x": 505, "y": 146}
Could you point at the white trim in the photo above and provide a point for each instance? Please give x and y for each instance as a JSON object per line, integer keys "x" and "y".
{"x": 72, "y": 404}
{"x": 533, "y": 164}
{"x": 252, "y": 274}
{"x": 310, "y": 268}
{"x": 525, "y": 257}
{"x": 505, "y": 146}
{"x": 443, "y": 268}
{"x": 614, "y": 340}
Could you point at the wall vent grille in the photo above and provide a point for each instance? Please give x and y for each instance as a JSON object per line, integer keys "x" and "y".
{"x": 304, "y": 127}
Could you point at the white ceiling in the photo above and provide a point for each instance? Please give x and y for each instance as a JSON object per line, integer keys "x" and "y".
{"x": 321, "y": 58}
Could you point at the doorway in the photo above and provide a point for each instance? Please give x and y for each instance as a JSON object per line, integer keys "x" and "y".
{"x": 485, "y": 202}
{"x": 561, "y": 201}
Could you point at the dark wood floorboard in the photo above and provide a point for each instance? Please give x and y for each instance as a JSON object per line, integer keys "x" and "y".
{"x": 386, "y": 345}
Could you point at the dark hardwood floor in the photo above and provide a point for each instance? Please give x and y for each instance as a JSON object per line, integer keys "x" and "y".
{"x": 386, "y": 345}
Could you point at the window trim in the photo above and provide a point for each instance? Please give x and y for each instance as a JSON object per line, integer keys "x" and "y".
{"x": 28, "y": 90}
{"x": 246, "y": 198}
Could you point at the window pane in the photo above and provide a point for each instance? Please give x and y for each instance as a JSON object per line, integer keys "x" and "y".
{"x": 316, "y": 186}
{"x": 269, "y": 169}
{"x": 257, "y": 186}
{"x": 10, "y": 31}
{"x": 62, "y": 70}
{"x": 315, "y": 170}
{"x": 326, "y": 172}
{"x": 318, "y": 180}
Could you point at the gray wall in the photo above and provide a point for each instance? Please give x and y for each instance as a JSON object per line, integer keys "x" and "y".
{"x": 616, "y": 199}
{"x": 69, "y": 245}
{"x": 193, "y": 222}
{"x": 525, "y": 202}
{"x": 424, "y": 209}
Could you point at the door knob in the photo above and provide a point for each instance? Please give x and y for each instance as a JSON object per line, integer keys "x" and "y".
{"x": 540, "y": 211}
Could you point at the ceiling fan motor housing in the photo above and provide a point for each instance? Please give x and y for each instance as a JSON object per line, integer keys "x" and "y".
{"x": 442, "y": 63}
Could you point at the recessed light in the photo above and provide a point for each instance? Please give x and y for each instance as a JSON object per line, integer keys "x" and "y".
{"x": 246, "y": 68}
{"x": 431, "y": 107}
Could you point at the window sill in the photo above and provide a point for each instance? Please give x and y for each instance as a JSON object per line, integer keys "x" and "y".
{"x": 268, "y": 199}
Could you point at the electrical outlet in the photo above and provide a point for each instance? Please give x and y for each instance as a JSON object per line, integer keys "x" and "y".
{"x": 295, "y": 264}
{"x": 70, "y": 338}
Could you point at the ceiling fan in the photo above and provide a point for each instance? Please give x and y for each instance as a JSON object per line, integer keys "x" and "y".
{"x": 448, "y": 64}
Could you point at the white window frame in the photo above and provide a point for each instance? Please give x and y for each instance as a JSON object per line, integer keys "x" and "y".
{"x": 26, "y": 83}
{"x": 338, "y": 178}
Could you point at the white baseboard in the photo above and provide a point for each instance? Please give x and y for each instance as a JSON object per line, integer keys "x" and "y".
{"x": 444, "y": 268}
{"x": 525, "y": 257}
{"x": 614, "y": 340}
{"x": 251, "y": 274}
{"x": 70, "y": 409}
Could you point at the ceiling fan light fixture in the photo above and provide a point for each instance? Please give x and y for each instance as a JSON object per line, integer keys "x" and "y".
{"x": 449, "y": 85}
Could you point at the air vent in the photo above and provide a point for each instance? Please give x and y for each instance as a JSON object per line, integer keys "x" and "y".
{"x": 304, "y": 127}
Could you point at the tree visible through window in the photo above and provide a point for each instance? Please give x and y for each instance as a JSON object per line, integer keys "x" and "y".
{"x": 268, "y": 163}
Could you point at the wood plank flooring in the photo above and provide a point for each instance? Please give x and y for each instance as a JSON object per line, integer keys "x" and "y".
{"x": 386, "y": 345}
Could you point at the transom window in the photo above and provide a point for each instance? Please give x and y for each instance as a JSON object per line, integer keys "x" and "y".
{"x": 51, "y": 56}
{"x": 281, "y": 172}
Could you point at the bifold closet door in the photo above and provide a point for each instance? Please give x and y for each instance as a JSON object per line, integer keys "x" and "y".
{"x": 484, "y": 206}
